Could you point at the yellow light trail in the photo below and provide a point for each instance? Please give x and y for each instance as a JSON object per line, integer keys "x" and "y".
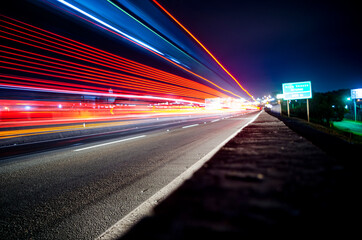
{"x": 184, "y": 28}
{"x": 148, "y": 118}
{"x": 46, "y": 130}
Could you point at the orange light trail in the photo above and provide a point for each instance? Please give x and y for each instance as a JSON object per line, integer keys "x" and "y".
{"x": 101, "y": 57}
{"x": 157, "y": 76}
{"x": 87, "y": 83}
{"x": 168, "y": 60}
{"x": 184, "y": 28}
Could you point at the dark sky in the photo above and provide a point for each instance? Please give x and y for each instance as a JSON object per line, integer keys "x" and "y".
{"x": 266, "y": 43}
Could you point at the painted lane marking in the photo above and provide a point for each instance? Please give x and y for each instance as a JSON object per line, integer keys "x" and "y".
{"x": 193, "y": 125}
{"x": 108, "y": 143}
{"x": 216, "y": 120}
{"x": 145, "y": 209}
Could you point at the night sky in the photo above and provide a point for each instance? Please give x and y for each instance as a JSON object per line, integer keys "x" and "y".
{"x": 266, "y": 43}
{"x": 262, "y": 43}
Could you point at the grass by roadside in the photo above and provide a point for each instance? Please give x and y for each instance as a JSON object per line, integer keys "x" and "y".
{"x": 349, "y": 126}
{"x": 342, "y": 146}
{"x": 346, "y": 130}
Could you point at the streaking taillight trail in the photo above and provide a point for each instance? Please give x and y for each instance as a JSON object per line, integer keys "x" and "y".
{"x": 47, "y": 78}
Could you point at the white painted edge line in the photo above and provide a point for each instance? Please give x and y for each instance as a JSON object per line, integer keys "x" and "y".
{"x": 122, "y": 226}
{"x": 193, "y": 125}
{"x": 108, "y": 143}
{"x": 215, "y": 120}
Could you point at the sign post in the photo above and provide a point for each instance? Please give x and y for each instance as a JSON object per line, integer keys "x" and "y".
{"x": 280, "y": 96}
{"x": 297, "y": 90}
{"x": 308, "y": 109}
{"x": 355, "y": 110}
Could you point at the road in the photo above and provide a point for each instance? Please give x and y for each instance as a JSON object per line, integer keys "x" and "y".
{"x": 79, "y": 190}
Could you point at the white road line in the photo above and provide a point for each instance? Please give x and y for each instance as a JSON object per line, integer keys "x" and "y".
{"x": 122, "y": 226}
{"x": 193, "y": 125}
{"x": 215, "y": 120}
{"x": 104, "y": 144}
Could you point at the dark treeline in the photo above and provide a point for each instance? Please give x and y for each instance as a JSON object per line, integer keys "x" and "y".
{"x": 323, "y": 107}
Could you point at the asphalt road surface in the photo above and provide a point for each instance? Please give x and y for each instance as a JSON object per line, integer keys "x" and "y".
{"x": 79, "y": 190}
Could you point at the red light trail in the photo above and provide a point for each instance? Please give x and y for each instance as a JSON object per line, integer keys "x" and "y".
{"x": 107, "y": 70}
{"x": 37, "y": 60}
{"x": 112, "y": 30}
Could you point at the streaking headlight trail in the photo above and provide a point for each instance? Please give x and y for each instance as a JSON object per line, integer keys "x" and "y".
{"x": 109, "y": 26}
{"x": 112, "y": 18}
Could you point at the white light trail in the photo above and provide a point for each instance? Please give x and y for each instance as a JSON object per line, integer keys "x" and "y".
{"x": 109, "y": 26}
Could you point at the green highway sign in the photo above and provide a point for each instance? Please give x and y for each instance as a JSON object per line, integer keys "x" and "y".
{"x": 297, "y": 90}
{"x": 356, "y": 93}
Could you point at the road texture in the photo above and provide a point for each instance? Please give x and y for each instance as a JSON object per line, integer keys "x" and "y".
{"x": 267, "y": 182}
{"x": 78, "y": 191}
